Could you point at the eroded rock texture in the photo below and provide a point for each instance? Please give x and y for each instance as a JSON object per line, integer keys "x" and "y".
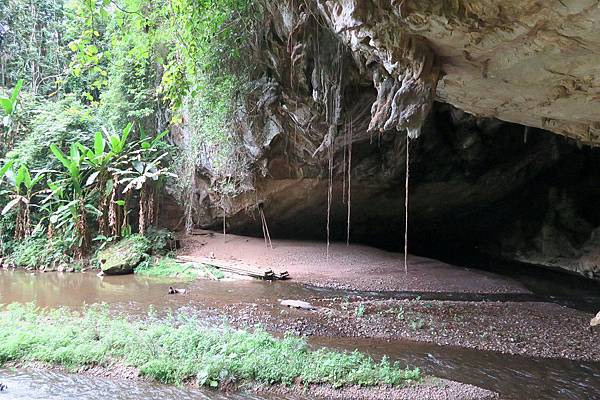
{"x": 531, "y": 62}
{"x": 341, "y": 83}
{"x": 525, "y": 61}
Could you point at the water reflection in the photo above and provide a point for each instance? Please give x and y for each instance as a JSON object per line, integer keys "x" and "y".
{"x": 50, "y": 385}
{"x": 515, "y": 377}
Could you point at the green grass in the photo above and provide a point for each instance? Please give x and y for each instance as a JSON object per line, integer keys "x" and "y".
{"x": 211, "y": 272}
{"x": 169, "y": 268}
{"x": 359, "y": 311}
{"x": 171, "y": 351}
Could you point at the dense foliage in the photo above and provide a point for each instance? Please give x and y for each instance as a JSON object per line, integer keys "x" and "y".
{"x": 89, "y": 91}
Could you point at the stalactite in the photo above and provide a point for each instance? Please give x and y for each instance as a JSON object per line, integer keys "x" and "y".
{"x": 333, "y": 110}
{"x": 224, "y": 220}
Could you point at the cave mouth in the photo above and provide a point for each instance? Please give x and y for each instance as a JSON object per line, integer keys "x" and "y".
{"x": 483, "y": 193}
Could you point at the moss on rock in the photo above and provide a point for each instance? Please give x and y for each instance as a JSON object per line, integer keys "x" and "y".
{"x": 122, "y": 257}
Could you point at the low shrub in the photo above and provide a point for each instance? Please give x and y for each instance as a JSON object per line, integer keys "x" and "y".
{"x": 38, "y": 252}
{"x": 162, "y": 241}
{"x": 178, "y": 350}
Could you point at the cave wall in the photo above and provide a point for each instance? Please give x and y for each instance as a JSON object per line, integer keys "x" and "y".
{"x": 525, "y": 61}
{"x": 355, "y": 77}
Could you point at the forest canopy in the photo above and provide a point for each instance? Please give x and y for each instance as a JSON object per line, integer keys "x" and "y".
{"x": 90, "y": 91}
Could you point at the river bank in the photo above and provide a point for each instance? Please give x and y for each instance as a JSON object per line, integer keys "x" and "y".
{"x": 210, "y": 301}
{"x": 180, "y": 350}
{"x": 531, "y": 329}
{"x": 507, "y": 317}
{"x": 487, "y": 313}
{"x": 126, "y": 383}
{"x": 439, "y": 308}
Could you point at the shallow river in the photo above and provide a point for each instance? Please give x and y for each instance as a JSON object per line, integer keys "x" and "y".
{"x": 515, "y": 377}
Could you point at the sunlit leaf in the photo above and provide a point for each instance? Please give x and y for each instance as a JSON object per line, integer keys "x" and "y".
{"x": 9, "y": 206}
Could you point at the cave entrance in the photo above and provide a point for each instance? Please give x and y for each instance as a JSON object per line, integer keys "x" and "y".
{"x": 483, "y": 193}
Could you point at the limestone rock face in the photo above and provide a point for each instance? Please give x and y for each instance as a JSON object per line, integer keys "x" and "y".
{"x": 531, "y": 62}
{"x": 340, "y": 84}
{"x": 403, "y": 66}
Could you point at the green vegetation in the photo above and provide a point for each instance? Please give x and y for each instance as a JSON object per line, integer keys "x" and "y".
{"x": 167, "y": 267}
{"x": 417, "y": 324}
{"x": 89, "y": 93}
{"x": 162, "y": 241}
{"x": 177, "y": 351}
{"x": 94, "y": 184}
{"x": 211, "y": 272}
{"x": 37, "y": 252}
{"x": 359, "y": 311}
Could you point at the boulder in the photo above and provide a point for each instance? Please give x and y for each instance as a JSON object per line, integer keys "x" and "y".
{"x": 596, "y": 320}
{"x": 123, "y": 257}
{"x": 297, "y": 304}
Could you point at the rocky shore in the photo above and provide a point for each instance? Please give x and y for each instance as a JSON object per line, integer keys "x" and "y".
{"x": 533, "y": 328}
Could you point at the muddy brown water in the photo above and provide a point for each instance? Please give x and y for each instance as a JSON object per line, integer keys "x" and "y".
{"x": 514, "y": 377}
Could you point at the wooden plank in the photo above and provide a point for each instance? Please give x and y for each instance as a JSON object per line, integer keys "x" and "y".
{"x": 201, "y": 232}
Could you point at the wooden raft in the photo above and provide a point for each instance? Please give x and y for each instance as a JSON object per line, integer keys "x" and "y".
{"x": 238, "y": 268}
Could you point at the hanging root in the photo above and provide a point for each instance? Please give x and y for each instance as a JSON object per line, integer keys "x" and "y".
{"x": 265, "y": 227}
{"x": 224, "y": 226}
{"x": 329, "y": 196}
{"x": 406, "y": 208}
{"x": 349, "y": 184}
{"x": 344, "y": 164}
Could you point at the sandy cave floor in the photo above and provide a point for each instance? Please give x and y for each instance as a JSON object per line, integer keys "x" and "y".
{"x": 353, "y": 267}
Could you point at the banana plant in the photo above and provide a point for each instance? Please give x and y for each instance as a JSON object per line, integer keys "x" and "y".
{"x": 51, "y": 203}
{"x": 144, "y": 177}
{"x": 120, "y": 158}
{"x": 148, "y": 143}
{"x": 8, "y": 106}
{"x": 117, "y": 143}
{"x": 148, "y": 177}
{"x": 5, "y": 168}
{"x": 99, "y": 158}
{"x": 21, "y": 192}
{"x": 76, "y": 209}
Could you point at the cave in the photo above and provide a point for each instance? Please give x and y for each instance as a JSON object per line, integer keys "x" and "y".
{"x": 499, "y": 171}
{"x": 309, "y": 199}
{"x": 479, "y": 189}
